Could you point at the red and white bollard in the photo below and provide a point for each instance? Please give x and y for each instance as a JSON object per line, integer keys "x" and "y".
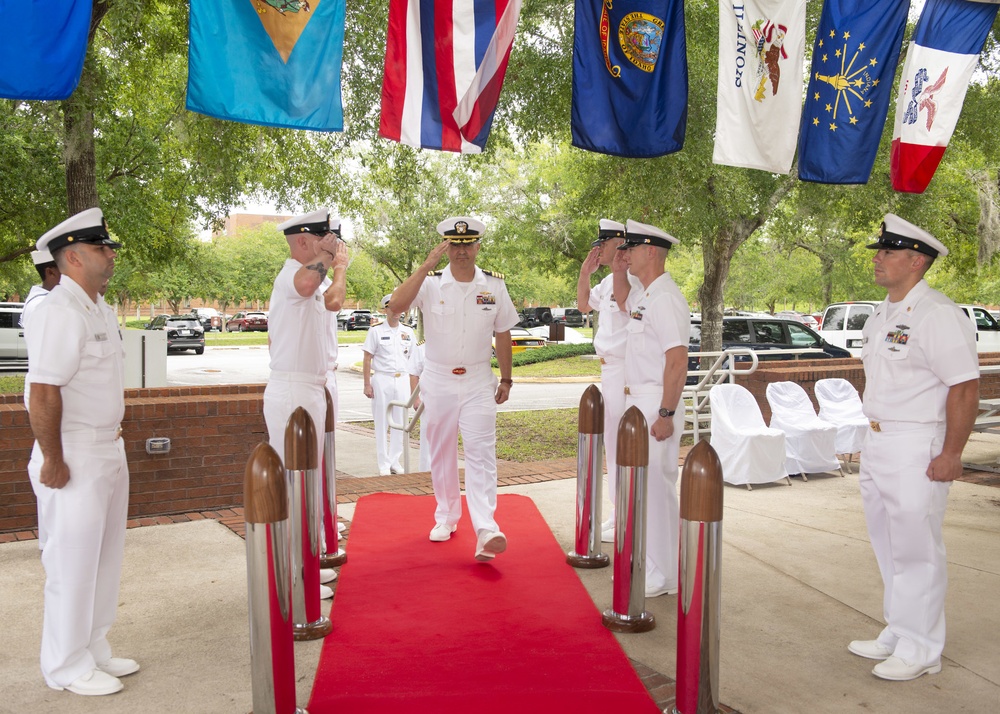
{"x": 586, "y": 551}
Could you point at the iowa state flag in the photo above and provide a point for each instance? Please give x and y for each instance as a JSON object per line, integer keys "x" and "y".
{"x": 272, "y": 62}
{"x": 939, "y": 64}
{"x": 630, "y": 81}
{"x": 853, "y": 67}
{"x": 444, "y": 69}
{"x": 45, "y": 41}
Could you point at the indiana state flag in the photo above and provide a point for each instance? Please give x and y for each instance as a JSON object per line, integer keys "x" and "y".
{"x": 939, "y": 64}
{"x": 444, "y": 69}
{"x": 272, "y": 62}
{"x": 45, "y": 41}
{"x": 630, "y": 82}
{"x": 853, "y": 67}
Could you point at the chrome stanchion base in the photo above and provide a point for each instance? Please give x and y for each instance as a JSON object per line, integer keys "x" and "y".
{"x": 598, "y": 560}
{"x": 332, "y": 560}
{"x": 623, "y": 623}
{"x": 313, "y": 630}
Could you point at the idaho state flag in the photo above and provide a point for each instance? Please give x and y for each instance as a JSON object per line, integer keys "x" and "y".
{"x": 630, "y": 82}
{"x": 444, "y": 68}
{"x": 853, "y": 67}
{"x": 45, "y": 41}
{"x": 272, "y": 62}
{"x": 939, "y": 64}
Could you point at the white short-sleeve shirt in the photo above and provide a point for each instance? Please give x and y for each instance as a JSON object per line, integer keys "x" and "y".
{"x": 299, "y": 326}
{"x": 390, "y": 347}
{"x": 333, "y": 343}
{"x": 609, "y": 342}
{"x": 415, "y": 365}
{"x": 659, "y": 320}
{"x": 913, "y": 351}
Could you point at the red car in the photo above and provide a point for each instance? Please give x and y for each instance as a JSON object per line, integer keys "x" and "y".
{"x": 247, "y": 322}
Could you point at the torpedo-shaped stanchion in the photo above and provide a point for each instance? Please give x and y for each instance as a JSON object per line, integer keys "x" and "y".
{"x": 586, "y": 551}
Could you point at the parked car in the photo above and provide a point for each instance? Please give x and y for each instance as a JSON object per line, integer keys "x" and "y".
{"x": 247, "y": 322}
{"x": 209, "y": 318}
{"x": 184, "y": 332}
{"x": 355, "y": 319}
{"x": 13, "y": 349}
{"x": 521, "y": 340}
{"x": 569, "y": 316}
{"x": 535, "y": 316}
{"x": 799, "y": 317}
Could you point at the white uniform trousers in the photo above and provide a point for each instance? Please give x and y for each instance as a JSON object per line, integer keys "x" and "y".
{"x": 284, "y": 393}
{"x": 905, "y": 510}
{"x": 85, "y": 523}
{"x": 662, "y": 507}
{"x": 425, "y": 449}
{"x": 613, "y": 392}
{"x": 465, "y": 403}
{"x": 331, "y": 387}
{"x": 388, "y": 387}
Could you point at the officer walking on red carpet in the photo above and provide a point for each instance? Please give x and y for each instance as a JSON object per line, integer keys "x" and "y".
{"x": 78, "y": 468}
{"x": 463, "y": 306}
{"x": 656, "y": 344}
{"x": 922, "y": 397}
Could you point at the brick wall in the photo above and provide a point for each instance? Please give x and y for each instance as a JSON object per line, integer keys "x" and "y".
{"x": 212, "y": 431}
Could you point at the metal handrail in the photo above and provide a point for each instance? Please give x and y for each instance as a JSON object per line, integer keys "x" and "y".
{"x": 407, "y": 427}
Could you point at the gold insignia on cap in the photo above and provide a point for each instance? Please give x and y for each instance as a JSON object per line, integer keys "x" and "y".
{"x": 69, "y": 238}
{"x": 461, "y": 228}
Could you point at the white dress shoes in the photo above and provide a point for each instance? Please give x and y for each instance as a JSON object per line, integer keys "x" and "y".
{"x": 119, "y": 667}
{"x": 325, "y": 593}
{"x": 608, "y": 536}
{"x": 442, "y": 532}
{"x": 341, "y": 527}
{"x": 327, "y": 575}
{"x": 656, "y": 592}
{"x": 872, "y": 649}
{"x": 489, "y": 544}
{"x": 94, "y": 683}
{"x": 899, "y": 670}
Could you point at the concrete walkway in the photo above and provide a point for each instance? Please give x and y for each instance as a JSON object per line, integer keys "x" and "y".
{"x": 799, "y": 582}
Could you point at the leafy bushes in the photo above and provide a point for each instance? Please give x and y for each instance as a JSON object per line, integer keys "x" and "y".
{"x": 550, "y": 352}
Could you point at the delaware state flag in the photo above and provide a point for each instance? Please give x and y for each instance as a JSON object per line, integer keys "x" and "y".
{"x": 847, "y": 100}
{"x": 444, "y": 69}
{"x": 630, "y": 80}
{"x": 271, "y": 62}
{"x": 939, "y": 64}
{"x": 45, "y": 41}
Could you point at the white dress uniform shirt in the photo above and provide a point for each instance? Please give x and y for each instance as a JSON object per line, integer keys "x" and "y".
{"x": 913, "y": 351}
{"x": 415, "y": 367}
{"x": 659, "y": 320}
{"x": 31, "y": 302}
{"x": 458, "y": 389}
{"x": 390, "y": 349}
{"x": 74, "y": 344}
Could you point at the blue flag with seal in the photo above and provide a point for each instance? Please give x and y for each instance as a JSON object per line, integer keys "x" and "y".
{"x": 44, "y": 44}
{"x": 271, "y": 62}
{"x": 630, "y": 80}
{"x": 850, "y": 88}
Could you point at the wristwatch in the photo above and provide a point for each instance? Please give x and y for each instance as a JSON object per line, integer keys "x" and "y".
{"x": 667, "y": 412}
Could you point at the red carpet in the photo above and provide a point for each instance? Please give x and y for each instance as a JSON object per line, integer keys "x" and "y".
{"x": 421, "y": 627}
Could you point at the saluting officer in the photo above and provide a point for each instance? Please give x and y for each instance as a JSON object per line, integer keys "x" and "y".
{"x": 387, "y": 350}
{"x": 658, "y": 332}
{"x": 463, "y": 306}
{"x": 922, "y": 397}
{"x": 78, "y": 468}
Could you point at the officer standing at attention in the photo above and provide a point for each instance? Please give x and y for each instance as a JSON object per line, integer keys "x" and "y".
{"x": 463, "y": 306}
{"x": 77, "y": 468}
{"x": 922, "y": 397}
{"x": 658, "y": 332}
{"x": 48, "y": 271}
{"x": 387, "y": 350}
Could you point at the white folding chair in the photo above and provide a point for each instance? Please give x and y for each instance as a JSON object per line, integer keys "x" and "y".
{"x": 809, "y": 441}
{"x": 750, "y": 451}
{"x": 840, "y": 405}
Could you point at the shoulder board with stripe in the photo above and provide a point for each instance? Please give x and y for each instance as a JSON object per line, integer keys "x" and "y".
{"x": 421, "y": 342}
{"x": 434, "y": 274}
{"x": 494, "y": 273}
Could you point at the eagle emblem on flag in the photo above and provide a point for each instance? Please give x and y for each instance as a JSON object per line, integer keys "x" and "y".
{"x": 769, "y": 41}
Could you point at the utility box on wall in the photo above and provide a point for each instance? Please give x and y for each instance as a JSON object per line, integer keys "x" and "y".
{"x": 145, "y": 358}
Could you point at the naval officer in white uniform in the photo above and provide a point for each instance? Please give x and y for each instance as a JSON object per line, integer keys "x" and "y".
{"x": 77, "y": 468}
{"x": 463, "y": 307}
{"x": 415, "y": 366}
{"x": 48, "y": 271}
{"x": 658, "y": 332}
{"x": 922, "y": 397}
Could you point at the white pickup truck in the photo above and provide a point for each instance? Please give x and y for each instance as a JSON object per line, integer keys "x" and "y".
{"x": 842, "y": 323}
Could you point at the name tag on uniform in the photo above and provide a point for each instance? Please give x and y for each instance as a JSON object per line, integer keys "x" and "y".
{"x": 101, "y": 336}
{"x": 384, "y": 337}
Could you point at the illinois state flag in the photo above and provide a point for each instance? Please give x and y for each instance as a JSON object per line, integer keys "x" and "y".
{"x": 630, "y": 82}
{"x": 272, "y": 62}
{"x": 761, "y": 54}
{"x": 853, "y": 67}
{"x": 444, "y": 69}
{"x": 939, "y": 64}
{"x": 45, "y": 41}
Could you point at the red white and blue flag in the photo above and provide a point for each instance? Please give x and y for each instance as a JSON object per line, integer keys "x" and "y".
{"x": 939, "y": 64}
{"x": 445, "y": 62}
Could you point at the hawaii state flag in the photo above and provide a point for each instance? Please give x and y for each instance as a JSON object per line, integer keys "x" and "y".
{"x": 853, "y": 67}
{"x": 630, "y": 80}
{"x": 271, "y": 62}
{"x": 444, "y": 69}
{"x": 761, "y": 54}
{"x": 44, "y": 44}
{"x": 939, "y": 64}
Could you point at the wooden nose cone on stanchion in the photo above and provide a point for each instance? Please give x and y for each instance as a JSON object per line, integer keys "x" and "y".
{"x": 330, "y": 421}
{"x": 699, "y": 601}
{"x": 333, "y": 555}
{"x": 300, "y": 442}
{"x": 586, "y": 552}
{"x": 269, "y": 583}
{"x": 633, "y": 439}
{"x": 590, "y": 419}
